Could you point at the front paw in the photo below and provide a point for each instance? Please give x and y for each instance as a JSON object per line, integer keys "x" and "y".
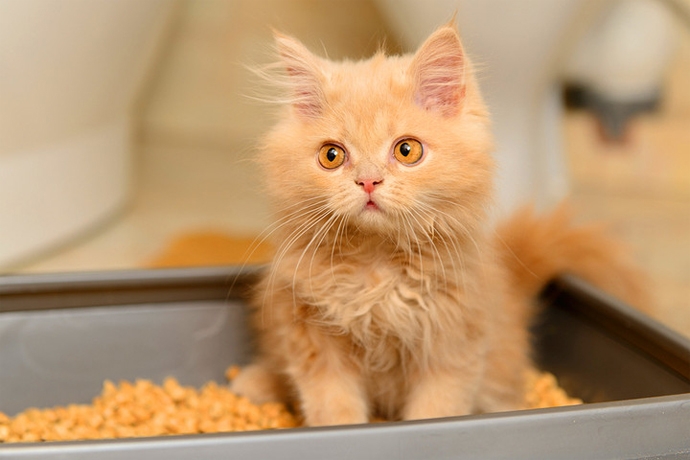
{"x": 335, "y": 414}
{"x": 259, "y": 385}
{"x": 439, "y": 395}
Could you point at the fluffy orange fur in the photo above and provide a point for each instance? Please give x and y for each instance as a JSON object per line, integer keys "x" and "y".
{"x": 396, "y": 298}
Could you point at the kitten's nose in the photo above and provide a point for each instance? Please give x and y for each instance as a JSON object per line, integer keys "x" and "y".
{"x": 369, "y": 184}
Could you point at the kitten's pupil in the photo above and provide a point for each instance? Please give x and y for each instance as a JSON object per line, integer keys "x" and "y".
{"x": 405, "y": 149}
{"x": 332, "y": 154}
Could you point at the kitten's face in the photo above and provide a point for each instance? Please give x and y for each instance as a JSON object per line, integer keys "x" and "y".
{"x": 383, "y": 144}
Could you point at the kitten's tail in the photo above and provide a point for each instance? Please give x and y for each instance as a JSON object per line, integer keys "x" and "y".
{"x": 535, "y": 249}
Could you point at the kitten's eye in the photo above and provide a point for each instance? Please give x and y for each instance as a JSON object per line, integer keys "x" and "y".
{"x": 408, "y": 151}
{"x": 331, "y": 156}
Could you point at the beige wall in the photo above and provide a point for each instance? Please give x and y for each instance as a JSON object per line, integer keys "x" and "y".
{"x": 201, "y": 96}
{"x": 202, "y": 93}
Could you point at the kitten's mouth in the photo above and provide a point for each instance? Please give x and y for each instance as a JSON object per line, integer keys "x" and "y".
{"x": 371, "y": 206}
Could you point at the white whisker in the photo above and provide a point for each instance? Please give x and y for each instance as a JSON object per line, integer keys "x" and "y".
{"x": 311, "y": 218}
{"x": 436, "y": 255}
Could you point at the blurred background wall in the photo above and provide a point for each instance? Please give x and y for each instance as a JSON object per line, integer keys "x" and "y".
{"x": 203, "y": 90}
{"x": 196, "y": 123}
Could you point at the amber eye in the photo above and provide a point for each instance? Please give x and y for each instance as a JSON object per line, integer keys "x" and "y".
{"x": 331, "y": 156}
{"x": 408, "y": 151}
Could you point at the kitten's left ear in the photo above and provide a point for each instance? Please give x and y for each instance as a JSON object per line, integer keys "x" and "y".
{"x": 304, "y": 76}
{"x": 438, "y": 72}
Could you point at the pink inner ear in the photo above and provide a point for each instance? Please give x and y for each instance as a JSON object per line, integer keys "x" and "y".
{"x": 439, "y": 74}
{"x": 303, "y": 76}
{"x": 306, "y": 94}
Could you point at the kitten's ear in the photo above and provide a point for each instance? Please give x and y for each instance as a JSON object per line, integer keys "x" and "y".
{"x": 438, "y": 72}
{"x": 304, "y": 76}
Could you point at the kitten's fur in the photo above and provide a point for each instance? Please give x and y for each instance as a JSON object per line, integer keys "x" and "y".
{"x": 411, "y": 308}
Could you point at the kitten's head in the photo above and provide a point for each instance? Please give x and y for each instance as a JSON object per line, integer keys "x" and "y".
{"x": 382, "y": 144}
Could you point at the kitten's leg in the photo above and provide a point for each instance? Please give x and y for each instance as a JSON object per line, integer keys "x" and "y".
{"x": 507, "y": 361}
{"x": 331, "y": 398}
{"x": 440, "y": 393}
{"x": 502, "y": 395}
{"x": 503, "y": 385}
{"x": 258, "y": 383}
{"x": 328, "y": 384}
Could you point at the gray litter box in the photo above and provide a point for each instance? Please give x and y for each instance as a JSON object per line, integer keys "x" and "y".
{"x": 62, "y": 335}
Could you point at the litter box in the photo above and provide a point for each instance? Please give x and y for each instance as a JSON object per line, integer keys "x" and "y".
{"x": 62, "y": 335}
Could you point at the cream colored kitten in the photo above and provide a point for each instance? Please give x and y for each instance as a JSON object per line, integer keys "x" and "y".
{"x": 388, "y": 294}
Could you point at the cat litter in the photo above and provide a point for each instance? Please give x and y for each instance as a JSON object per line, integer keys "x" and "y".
{"x": 145, "y": 409}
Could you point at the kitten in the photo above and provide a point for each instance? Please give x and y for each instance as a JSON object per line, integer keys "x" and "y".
{"x": 388, "y": 293}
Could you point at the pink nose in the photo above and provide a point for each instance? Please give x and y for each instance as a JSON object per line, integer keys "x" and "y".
{"x": 369, "y": 184}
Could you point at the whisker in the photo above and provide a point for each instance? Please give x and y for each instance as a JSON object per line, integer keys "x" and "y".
{"x": 274, "y": 226}
{"x": 312, "y": 219}
{"x": 443, "y": 238}
{"x": 435, "y": 253}
{"x": 339, "y": 241}
{"x": 419, "y": 247}
{"x": 455, "y": 227}
{"x": 265, "y": 234}
{"x": 323, "y": 231}
{"x": 467, "y": 232}
{"x": 311, "y": 216}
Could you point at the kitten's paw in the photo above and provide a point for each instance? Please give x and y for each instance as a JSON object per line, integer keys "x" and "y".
{"x": 431, "y": 410}
{"x": 438, "y": 395}
{"x": 258, "y": 384}
{"x": 337, "y": 414}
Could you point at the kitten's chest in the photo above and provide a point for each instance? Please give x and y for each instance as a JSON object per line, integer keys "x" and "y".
{"x": 373, "y": 299}
{"x": 364, "y": 281}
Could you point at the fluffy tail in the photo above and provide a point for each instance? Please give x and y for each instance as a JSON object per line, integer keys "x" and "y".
{"x": 535, "y": 249}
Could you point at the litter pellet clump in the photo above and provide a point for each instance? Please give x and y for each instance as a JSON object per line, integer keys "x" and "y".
{"x": 143, "y": 408}
{"x": 543, "y": 391}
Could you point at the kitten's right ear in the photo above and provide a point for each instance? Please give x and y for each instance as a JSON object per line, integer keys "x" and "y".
{"x": 304, "y": 76}
{"x": 438, "y": 70}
